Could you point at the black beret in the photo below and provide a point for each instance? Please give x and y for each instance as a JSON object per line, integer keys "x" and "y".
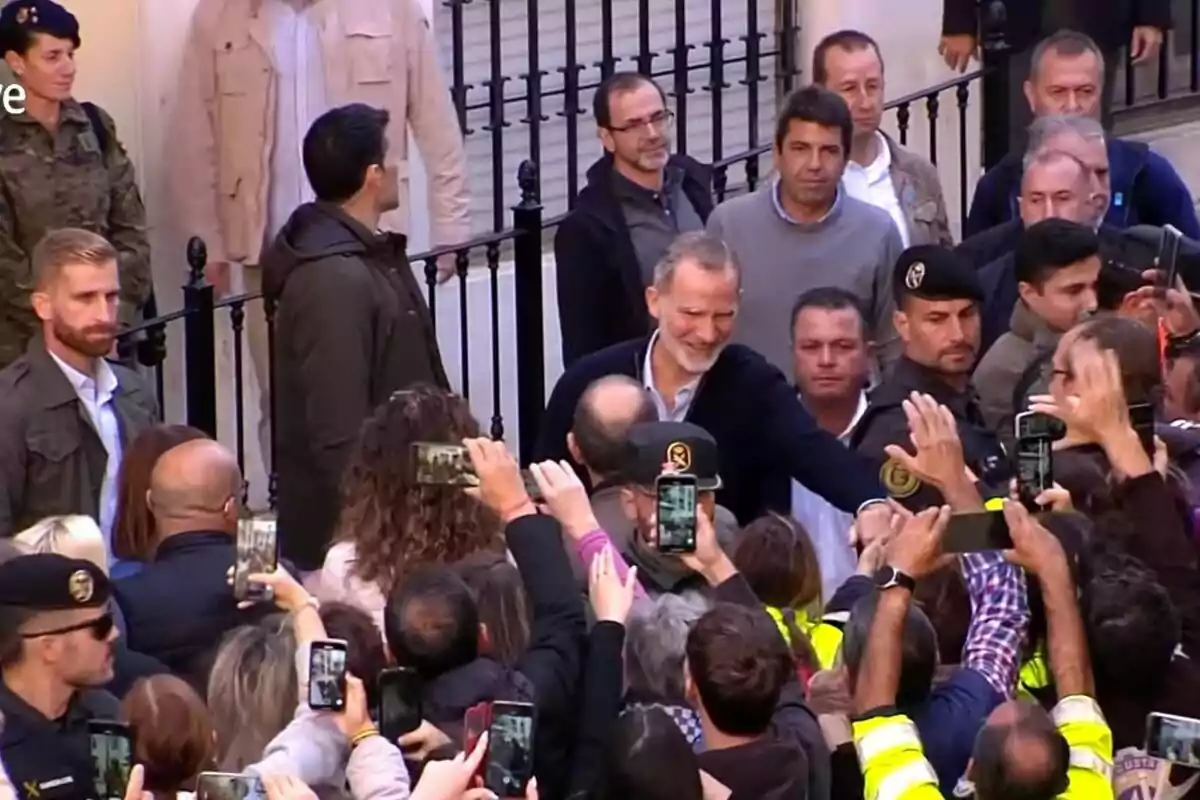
{"x": 689, "y": 448}
{"x": 933, "y": 272}
{"x": 52, "y": 582}
{"x": 43, "y": 16}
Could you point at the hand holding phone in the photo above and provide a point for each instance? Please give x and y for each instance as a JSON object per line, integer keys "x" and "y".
{"x": 676, "y": 509}
{"x": 510, "y": 749}
{"x": 399, "y": 702}
{"x": 229, "y": 786}
{"x": 257, "y": 552}
{"x": 327, "y": 675}
{"x": 1034, "y": 456}
{"x": 112, "y": 758}
{"x": 1173, "y": 738}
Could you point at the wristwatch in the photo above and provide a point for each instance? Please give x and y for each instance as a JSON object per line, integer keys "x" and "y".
{"x": 891, "y": 578}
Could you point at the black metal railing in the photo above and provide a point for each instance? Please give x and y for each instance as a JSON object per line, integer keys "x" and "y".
{"x": 906, "y": 109}
{"x": 724, "y": 64}
{"x": 1174, "y": 75}
{"x": 201, "y": 381}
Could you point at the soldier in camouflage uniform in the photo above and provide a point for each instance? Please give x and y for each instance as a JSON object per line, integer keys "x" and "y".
{"x": 61, "y": 165}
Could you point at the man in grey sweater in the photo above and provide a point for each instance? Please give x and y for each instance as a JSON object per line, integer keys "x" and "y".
{"x": 802, "y": 231}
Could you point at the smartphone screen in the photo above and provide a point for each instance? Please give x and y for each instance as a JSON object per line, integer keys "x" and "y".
{"x": 1141, "y": 418}
{"x": 1035, "y": 425}
{"x": 1035, "y": 469}
{"x": 112, "y": 758}
{"x": 976, "y": 533}
{"x": 510, "y": 749}
{"x": 1175, "y": 739}
{"x": 327, "y": 675}
{"x": 228, "y": 786}
{"x": 1167, "y": 262}
{"x": 676, "y": 496}
{"x": 439, "y": 464}
{"x": 257, "y": 551}
{"x": 399, "y": 702}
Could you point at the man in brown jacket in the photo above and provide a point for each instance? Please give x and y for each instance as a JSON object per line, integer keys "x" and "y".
{"x": 352, "y": 326}
{"x": 257, "y": 73}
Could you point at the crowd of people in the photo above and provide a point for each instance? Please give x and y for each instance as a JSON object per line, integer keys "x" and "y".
{"x": 944, "y": 539}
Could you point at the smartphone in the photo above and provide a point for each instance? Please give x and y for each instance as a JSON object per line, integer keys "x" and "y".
{"x": 510, "y": 749}
{"x": 476, "y": 721}
{"x": 1035, "y": 469}
{"x": 228, "y": 786}
{"x": 1141, "y": 418}
{"x": 439, "y": 464}
{"x": 399, "y": 702}
{"x": 977, "y": 532}
{"x": 1036, "y": 425}
{"x": 676, "y": 498}
{"x": 1172, "y": 738}
{"x": 257, "y": 551}
{"x": 112, "y": 758}
{"x": 1167, "y": 262}
{"x": 327, "y": 675}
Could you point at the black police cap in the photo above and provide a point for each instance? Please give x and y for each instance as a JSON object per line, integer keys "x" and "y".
{"x": 52, "y": 582}
{"x": 688, "y": 448}
{"x": 35, "y": 16}
{"x": 933, "y": 272}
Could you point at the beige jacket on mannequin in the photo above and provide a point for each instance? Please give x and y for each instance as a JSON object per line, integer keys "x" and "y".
{"x": 379, "y": 52}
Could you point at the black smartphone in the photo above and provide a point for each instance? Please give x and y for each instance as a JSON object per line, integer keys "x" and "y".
{"x": 1141, "y": 418}
{"x": 327, "y": 675}
{"x": 229, "y": 786}
{"x": 112, "y": 758}
{"x": 976, "y": 533}
{"x": 1034, "y": 456}
{"x": 257, "y": 552}
{"x": 1036, "y": 425}
{"x": 1167, "y": 261}
{"x": 439, "y": 464}
{"x": 399, "y": 702}
{"x": 676, "y": 498}
{"x": 510, "y": 749}
{"x": 1174, "y": 739}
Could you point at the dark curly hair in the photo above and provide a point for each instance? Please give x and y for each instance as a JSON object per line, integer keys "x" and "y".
{"x": 395, "y": 523}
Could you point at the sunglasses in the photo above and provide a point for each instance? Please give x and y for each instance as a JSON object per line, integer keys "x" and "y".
{"x": 100, "y": 627}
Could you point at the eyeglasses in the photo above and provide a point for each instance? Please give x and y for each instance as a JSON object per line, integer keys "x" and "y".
{"x": 101, "y": 627}
{"x": 656, "y": 121}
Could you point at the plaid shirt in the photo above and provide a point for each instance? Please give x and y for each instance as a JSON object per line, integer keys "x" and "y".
{"x": 999, "y": 619}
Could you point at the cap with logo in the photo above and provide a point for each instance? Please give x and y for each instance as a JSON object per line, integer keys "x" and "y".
{"x": 43, "y": 16}
{"x": 933, "y": 272}
{"x": 686, "y": 447}
{"x": 52, "y": 582}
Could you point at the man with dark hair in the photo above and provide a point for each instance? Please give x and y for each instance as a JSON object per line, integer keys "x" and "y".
{"x": 1067, "y": 77}
{"x": 1057, "y": 266}
{"x": 66, "y": 413}
{"x": 56, "y": 649}
{"x": 831, "y": 353}
{"x": 761, "y": 739}
{"x": 352, "y": 326}
{"x": 880, "y": 170}
{"x": 937, "y": 315}
{"x": 638, "y": 198}
{"x": 802, "y": 230}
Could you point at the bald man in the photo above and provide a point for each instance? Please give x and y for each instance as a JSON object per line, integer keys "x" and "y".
{"x": 181, "y": 605}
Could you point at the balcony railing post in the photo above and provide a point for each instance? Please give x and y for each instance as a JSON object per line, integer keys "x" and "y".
{"x": 997, "y": 83}
{"x": 199, "y": 345}
{"x": 527, "y": 258}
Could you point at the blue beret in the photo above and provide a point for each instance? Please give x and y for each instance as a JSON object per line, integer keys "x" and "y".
{"x": 44, "y": 16}
{"x": 934, "y": 272}
{"x": 52, "y": 582}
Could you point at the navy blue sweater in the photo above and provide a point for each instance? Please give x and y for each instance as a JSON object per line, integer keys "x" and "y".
{"x": 764, "y": 435}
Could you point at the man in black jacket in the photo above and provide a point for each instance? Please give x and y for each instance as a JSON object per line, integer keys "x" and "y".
{"x": 764, "y": 436}
{"x": 638, "y": 198}
{"x": 352, "y": 325}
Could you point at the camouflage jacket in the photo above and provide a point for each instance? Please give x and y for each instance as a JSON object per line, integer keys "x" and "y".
{"x": 62, "y": 180}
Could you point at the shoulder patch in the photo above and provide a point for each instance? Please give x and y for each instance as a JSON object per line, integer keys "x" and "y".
{"x": 898, "y": 481}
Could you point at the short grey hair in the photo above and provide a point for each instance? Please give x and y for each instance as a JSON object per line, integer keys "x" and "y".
{"x": 656, "y": 642}
{"x": 1046, "y": 157}
{"x": 1044, "y": 130}
{"x": 701, "y": 248}
{"x": 1064, "y": 42}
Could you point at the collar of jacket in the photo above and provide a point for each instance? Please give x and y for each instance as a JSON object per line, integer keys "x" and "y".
{"x": 179, "y": 544}
{"x": 1029, "y": 326}
{"x": 908, "y": 376}
{"x": 599, "y": 197}
{"x": 53, "y": 388}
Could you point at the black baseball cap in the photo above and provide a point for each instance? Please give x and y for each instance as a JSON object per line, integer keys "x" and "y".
{"x": 689, "y": 448}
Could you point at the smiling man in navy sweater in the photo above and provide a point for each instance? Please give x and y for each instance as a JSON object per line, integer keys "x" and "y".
{"x": 764, "y": 436}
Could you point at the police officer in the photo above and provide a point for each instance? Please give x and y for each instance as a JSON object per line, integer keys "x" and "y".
{"x": 61, "y": 166}
{"x": 937, "y": 317}
{"x": 56, "y": 646}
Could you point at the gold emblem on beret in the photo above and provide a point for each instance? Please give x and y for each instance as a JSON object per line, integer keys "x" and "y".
{"x": 899, "y": 482}
{"x": 914, "y": 276}
{"x": 22, "y": 15}
{"x": 679, "y": 456}
{"x": 80, "y": 586}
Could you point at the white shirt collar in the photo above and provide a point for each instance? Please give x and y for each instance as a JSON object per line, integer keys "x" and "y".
{"x": 683, "y": 397}
{"x": 881, "y": 167}
{"x": 99, "y": 389}
{"x": 859, "y": 410}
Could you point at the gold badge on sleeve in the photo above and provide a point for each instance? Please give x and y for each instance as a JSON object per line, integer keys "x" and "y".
{"x": 898, "y": 481}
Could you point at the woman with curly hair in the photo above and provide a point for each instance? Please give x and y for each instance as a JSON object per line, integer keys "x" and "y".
{"x": 389, "y": 522}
